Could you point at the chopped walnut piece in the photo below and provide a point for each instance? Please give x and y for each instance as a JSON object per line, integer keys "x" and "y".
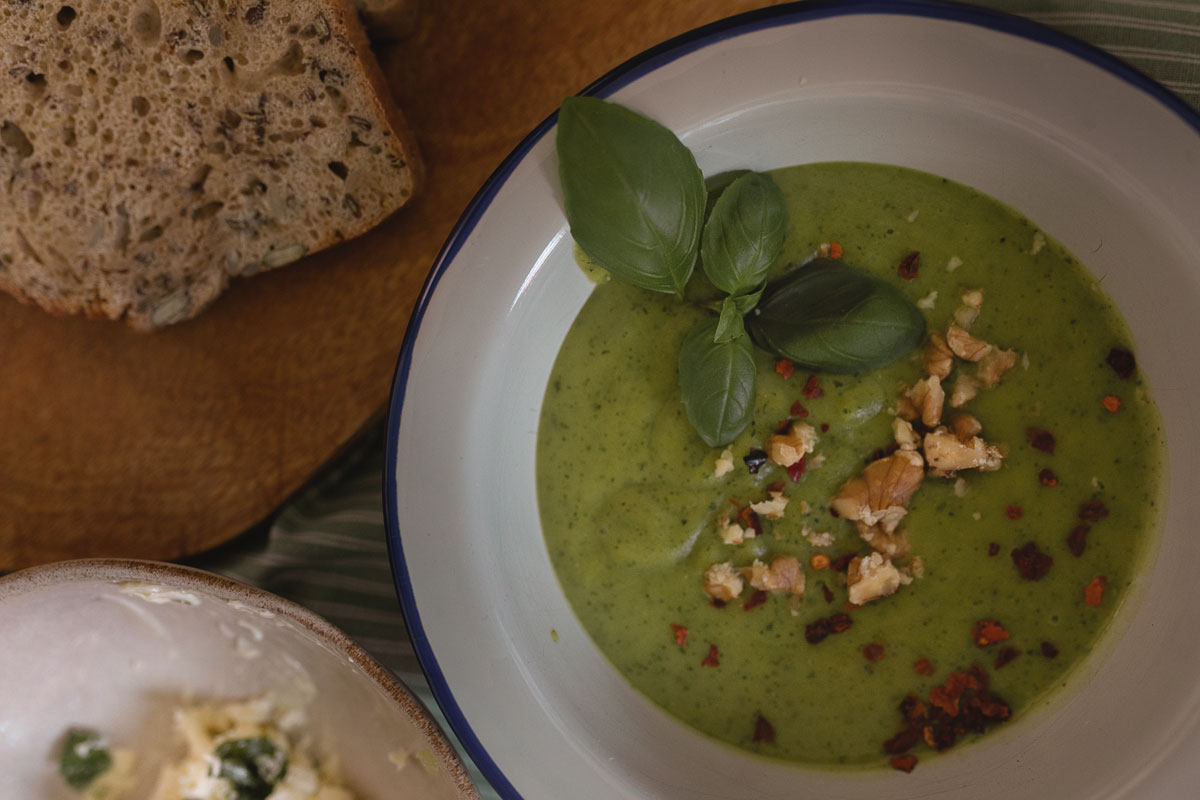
{"x": 965, "y": 427}
{"x": 732, "y": 533}
{"x": 946, "y": 454}
{"x": 906, "y": 437}
{"x": 965, "y": 316}
{"x": 927, "y": 397}
{"x": 964, "y": 391}
{"x": 773, "y": 507}
{"x": 881, "y": 494}
{"x": 721, "y": 581}
{"x": 783, "y": 575}
{"x": 939, "y": 358}
{"x": 966, "y": 346}
{"x": 993, "y": 366}
{"x": 724, "y": 463}
{"x": 871, "y": 577}
{"x": 786, "y": 449}
{"x": 972, "y": 298}
{"x": 883, "y": 537}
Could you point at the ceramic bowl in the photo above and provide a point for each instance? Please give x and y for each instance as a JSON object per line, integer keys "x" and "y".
{"x": 1093, "y": 152}
{"x": 116, "y": 646}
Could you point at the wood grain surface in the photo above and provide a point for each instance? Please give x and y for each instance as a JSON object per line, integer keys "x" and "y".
{"x": 114, "y": 443}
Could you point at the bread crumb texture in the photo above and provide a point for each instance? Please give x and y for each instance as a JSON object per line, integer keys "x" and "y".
{"x": 151, "y": 150}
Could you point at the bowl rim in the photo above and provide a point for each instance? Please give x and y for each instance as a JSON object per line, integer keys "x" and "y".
{"x": 636, "y": 67}
{"x": 109, "y": 570}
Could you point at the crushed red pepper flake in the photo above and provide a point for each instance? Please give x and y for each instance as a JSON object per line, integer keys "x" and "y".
{"x": 842, "y": 562}
{"x": 757, "y": 599}
{"x": 1093, "y": 511}
{"x": 1093, "y": 593}
{"x": 904, "y": 763}
{"x": 1014, "y": 512}
{"x": 1049, "y": 650}
{"x": 713, "y": 657}
{"x": 817, "y": 631}
{"x": 1111, "y": 403}
{"x": 873, "y": 652}
{"x": 988, "y": 632}
{"x": 827, "y": 593}
{"x": 749, "y": 518}
{"x": 1047, "y": 477}
{"x": 796, "y": 471}
{"x": 776, "y": 486}
{"x": 1122, "y": 362}
{"x": 1077, "y": 539}
{"x": 812, "y": 388}
{"x": 835, "y": 250}
{"x": 783, "y": 427}
{"x": 763, "y": 730}
{"x": 1005, "y": 656}
{"x": 1031, "y": 563}
{"x": 785, "y": 368}
{"x": 1040, "y": 439}
{"x": 909, "y": 265}
{"x": 824, "y": 427}
{"x": 993, "y": 548}
{"x": 819, "y": 561}
{"x": 798, "y": 410}
{"x": 923, "y": 666}
{"x": 680, "y": 632}
{"x": 717, "y": 602}
{"x": 962, "y": 705}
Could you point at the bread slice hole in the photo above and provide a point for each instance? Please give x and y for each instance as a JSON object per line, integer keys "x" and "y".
{"x": 141, "y": 106}
{"x": 208, "y": 210}
{"x": 12, "y": 137}
{"x": 147, "y": 23}
{"x": 65, "y": 16}
{"x": 291, "y": 62}
{"x": 339, "y": 169}
{"x": 191, "y": 57}
{"x": 36, "y": 83}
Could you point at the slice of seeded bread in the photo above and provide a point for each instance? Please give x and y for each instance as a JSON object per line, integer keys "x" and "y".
{"x": 151, "y": 150}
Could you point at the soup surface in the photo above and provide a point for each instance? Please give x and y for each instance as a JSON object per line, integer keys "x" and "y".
{"x": 631, "y": 504}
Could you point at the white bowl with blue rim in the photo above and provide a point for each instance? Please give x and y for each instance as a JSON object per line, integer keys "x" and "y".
{"x": 1101, "y": 157}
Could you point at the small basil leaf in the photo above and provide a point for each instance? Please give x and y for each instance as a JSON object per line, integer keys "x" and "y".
{"x": 252, "y": 766}
{"x": 747, "y": 302}
{"x": 716, "y": 381}
{"x": 829, "y": 317}
{"x": 633, "y": 194}
{"x": 83, "y": 758}
{"x": 715, "y": 186}
{"x": 744, "y": 234}
{"x": 729, "y": 325}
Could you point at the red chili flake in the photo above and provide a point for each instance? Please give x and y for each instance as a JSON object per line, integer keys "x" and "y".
{"x": 796, "y": 471}
{"x": 1111, "y": 403}
{"x": 763, "y": 730}
{"x": 1040, "y": 439}
{"x": 909, "y": 265}
{"x": 1077, "y": 540}
{"x": 835, "y": 250}
{"x": 749, "y": 518}
{"x": 873, "y": 652}
{"x": 824, "y": 427}
{"x": 1093, "y": 593}
{"x": 923, "y": 666}
{"x": 812, "y": 388}
{"x": 1122, "y": 362}
{"x": 776, "y": 486}
{"x": 827, "y": 593}
{"x": 1049, "y": 650}
{"x": 681, "y": 633}
{"x": 717, "y": 602}
{"x": 941, "y": 697}
{"x": 907, "y": 738}
{"x": 842, "y": 562}
{"x": 1006, "y": 655}
{"x": 988, "y": 632}
{"x": 712, "y": 659}
{"x": 1031, "y": 563}
{"x": 757, "y": 599}
{"x": 785, "y": 368}
{"x": 1093, "y": 511}
{"x": 1047, "y": 477}
{"x": 904, "y": 763}
{"x": 798, "y": 410}
{"x": 816, "y": 631}
{"x": 840, "y": 623}
{"x": 1013, "y": 512}
{"x": 993, "y": 548}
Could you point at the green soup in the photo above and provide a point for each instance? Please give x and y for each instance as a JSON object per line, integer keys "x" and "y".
{"x": 629, "y": 501}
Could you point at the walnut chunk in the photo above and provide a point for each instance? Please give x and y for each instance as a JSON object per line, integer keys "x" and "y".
{"x": 972, "y": 298}
{"x": 966, "y": 346}
{"x": 871, "y": 577}
{"x": 964, "y": 390}
{"x": 722, "y": 582}
{"x": 939, "y": 358}
{"x": 771, "y": 508}
{"x": 724, "y": 463}
{"x": 947, "y": 454}
{"x": 891, "y": 543}
{"x": 965, "y": 427}
{"x": 732, "y": 533}
{"x": 904, "y": 434}
{"x": 926, "y": 398}
{"x": 994, "y": 365}
{"x": 783, "y": 575}
{"x": 881, "y": 494}
{"x": 786, "y": 449}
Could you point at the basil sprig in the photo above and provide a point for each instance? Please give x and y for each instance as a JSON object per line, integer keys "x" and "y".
{"x": 84, "y": 757}
{"x": 253, "y": 766}
{"x": 637, "y": 206}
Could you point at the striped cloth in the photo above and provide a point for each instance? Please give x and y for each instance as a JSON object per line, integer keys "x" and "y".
{"x": 326, "y": 550}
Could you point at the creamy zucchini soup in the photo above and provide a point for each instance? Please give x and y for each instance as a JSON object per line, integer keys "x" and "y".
{"x": 883, "y": 562}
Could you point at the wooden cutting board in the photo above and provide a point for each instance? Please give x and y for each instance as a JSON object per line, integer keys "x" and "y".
{"x": 114, "y": 443}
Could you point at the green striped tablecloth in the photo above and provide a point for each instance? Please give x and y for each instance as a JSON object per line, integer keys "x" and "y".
{"x": 326, "y": 551}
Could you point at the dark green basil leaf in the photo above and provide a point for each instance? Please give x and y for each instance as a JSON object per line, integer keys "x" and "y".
{"x": 715, "y": 186}
{"x": 747, "y": 302}
{"x": 829, "y": 317}
{"x": 252, "y": 766}
{"x": 633, "y": 194}
{"x": 83, "y": 758}
{"x": 729, "y": 324}
{"x": 744, "y": 234}
{"x": 716, "y": 380}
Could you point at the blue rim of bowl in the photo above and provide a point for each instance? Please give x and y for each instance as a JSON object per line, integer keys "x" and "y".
{"x": 637, "y": 67}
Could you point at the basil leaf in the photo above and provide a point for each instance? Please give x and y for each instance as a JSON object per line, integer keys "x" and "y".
{"x": 729, "y": 324}
{"x": 252, "y": 766}
{"x": 633, "y": 194}
{"x": 83, "y": 758}
{"x": 829, "y": 317}
{"x": 716, "y": 380}
{"x": 744, "y": 234}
